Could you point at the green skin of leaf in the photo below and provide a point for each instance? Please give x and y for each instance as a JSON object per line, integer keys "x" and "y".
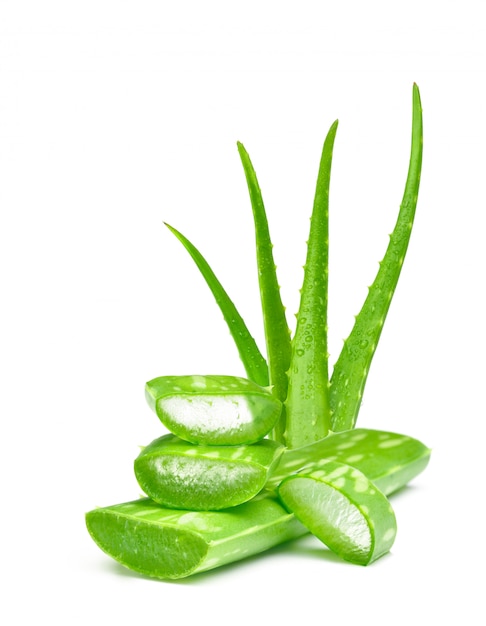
{"x": 307, "y": 403}
{"x": 351, "y": 369}
{"x": 389, "y": 459}
{"x": 254, "y": 363}
{"x": 166, "y": 543}
{"x": 342, "y": 508}
{"x": 216, "y": 410}
{"x": 277, "y": 333}
{"x": 180, "y": 475}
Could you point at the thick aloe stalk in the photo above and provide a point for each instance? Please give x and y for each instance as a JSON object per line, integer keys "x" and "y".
{"x": 181, "y": 475}
{"x": 307, "y": 403}
{"x": 352, "y": 367}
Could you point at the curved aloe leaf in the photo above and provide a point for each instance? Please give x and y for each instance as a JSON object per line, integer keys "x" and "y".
{"x": 214, "y": 410}
{"x": 344, "y": 509}
{"x": 180, "y": 475}
{"x": 307, "y": 404}
{"x": 351, "y": 369}
{"x": 251, "y": 357}
{"x": 277, "y": 333}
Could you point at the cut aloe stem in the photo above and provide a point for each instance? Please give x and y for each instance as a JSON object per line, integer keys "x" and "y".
{"x": 277, "y": 333}
{"x": 180, "y": 475}
{"x": 254, "y": 363}
{"x": 351, "y": 369}
{"x": 165, "y": 543}
{"x": 390, "y": 460}
{"x": 307, "y": 404}
{"x": 215, "y": 410}
{"x": 342, "y": 508}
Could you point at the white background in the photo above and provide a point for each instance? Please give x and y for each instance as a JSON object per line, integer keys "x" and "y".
{"x": 116, "y": 116}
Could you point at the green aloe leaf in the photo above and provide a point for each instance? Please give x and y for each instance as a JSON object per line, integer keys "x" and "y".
{"x": 166, "y": 543}
{"x": 307, "y": 404}
{"x": 351, "y": 369}
{"x": 180, "y": 475}
{"x": 342, "y": 508}
{"x": 277, "y": 333}
{"x": 215, "y": 410}
{"x": 389, "y": 459}
{"x": 254, "y": 363}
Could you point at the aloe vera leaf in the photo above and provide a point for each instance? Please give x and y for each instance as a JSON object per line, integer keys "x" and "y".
{"x": 307, "y": 404}
{"x": 180, "y": 475}
{"x": 342, "y": 508}
{"x": 351, "y": 369}
{"x": 215, "y": 410}
{"x": 388, "y": 459}
{"x": 277, "y": 333}
{"x": 166, "y": 543}
{"x": 254, "y": 363}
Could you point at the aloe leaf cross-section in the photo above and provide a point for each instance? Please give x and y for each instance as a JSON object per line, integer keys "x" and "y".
{"x": 214, "y": 410}
{"x": 165, "y": 543}
{"x": 181, "y": 475}
{"x": 342, "y": 508}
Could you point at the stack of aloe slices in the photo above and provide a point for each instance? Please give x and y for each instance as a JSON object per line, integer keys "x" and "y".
{"x": 251, "y": 463}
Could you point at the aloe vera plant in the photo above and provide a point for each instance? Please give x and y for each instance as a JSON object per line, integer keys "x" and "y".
{"x": 255, "y": 462}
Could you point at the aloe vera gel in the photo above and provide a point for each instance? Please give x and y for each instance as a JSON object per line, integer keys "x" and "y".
{"x": 249, "y": 463}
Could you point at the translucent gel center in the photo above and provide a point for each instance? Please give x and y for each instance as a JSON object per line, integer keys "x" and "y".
{"x": 209, "y": 413}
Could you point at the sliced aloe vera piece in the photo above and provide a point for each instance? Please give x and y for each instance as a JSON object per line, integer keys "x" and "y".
{"x": 388, "y": 459}
{"x": 342, "y": 508}
{"x": 165, "y": 543}
{"x": 214, "y": 410}
{"x": 181, "y": 475}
